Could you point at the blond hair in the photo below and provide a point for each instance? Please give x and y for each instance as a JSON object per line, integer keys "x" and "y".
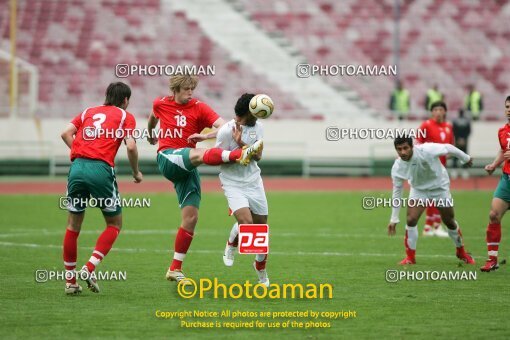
{"x": 182, "y": 80}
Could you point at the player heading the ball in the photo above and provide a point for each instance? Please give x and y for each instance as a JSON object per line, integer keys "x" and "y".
{"x": 243, "y": 186}
{"x": 178, "y": 158}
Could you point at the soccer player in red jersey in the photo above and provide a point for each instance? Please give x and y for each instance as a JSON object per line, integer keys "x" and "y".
{"x": 436, "y": 130}
{"x": 501, "y": 201}
{"x": 181, "y": 119}
{"x": 94, "y": 145}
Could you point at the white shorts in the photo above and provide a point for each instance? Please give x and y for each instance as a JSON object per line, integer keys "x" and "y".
{"x": 440, "y": 198}
{"x": 250, "y": 196}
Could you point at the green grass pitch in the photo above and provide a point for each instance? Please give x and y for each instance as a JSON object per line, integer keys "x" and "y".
{"x": 315, "y": 238}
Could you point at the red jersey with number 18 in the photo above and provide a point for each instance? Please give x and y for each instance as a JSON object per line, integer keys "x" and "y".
{"x": 504, "y": 142}
{"x": 179, "y": 121}
{"x": 103, "y": 145}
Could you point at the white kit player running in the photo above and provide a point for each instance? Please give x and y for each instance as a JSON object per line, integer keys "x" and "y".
{"x": 243, "y": 185}
{"x": 429, "y": 182}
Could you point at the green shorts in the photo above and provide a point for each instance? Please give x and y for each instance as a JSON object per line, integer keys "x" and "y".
{"x": 176, "y": 166}
{"x": 90, "y": 177}
{"x": 503, "y": 189}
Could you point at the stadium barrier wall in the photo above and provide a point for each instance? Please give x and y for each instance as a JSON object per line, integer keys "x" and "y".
{"x": 292, "y": 147}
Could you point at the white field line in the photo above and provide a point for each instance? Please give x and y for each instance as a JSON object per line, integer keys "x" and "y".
{"x": 219, "y": 251}
{"x": 45, "y": 232}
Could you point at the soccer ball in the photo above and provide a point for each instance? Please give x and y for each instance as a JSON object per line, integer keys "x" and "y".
{"x": 261, "y": 106}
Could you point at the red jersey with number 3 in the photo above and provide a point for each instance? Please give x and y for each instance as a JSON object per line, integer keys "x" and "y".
{"x": 504, "y": 142}
{"x": 435, "y": 132}
{"x": 108, "y": 119}
{"x": 179, "y": 121}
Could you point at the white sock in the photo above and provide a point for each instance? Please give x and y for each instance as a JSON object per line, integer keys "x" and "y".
{"x": 412, "y": 236}
{"x": 455, "y": 236}
{"x": 179, "y": 256}
{"x": 233, "y": 233}
{"x": 225, "y": 156}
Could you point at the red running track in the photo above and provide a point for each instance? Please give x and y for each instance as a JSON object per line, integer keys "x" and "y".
{"x": 270, "y": 183}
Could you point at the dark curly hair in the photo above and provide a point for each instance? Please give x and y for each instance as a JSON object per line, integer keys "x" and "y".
{"x": 242, "y": 106}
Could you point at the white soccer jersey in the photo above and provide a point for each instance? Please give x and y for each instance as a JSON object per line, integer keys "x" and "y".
{"x": 233, "y": 173}
{"x": 423, "y": 171}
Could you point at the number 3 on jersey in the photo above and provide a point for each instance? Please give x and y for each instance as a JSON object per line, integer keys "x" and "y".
{"x": 99, "y": 119}
{"x": 180, "y": 120}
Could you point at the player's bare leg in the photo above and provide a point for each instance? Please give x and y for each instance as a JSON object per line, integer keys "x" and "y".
{"x": 261, "y": 259}
{"x": 411, "y": 237}
{"x": 493, "y": 234}
{"x": 70, "y": 252}
{"x": 448, "y": 217}
{"x": 243, "y": 216}
{"x": 189, "y": 219}
{"x": 217, "y": 156}
{"x": 103, "y": 246}
{"x": 213, "y": 156}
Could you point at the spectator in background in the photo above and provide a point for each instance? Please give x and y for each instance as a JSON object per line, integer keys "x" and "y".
{"x": 400, "y": 101}
{"x": 433, "y": 95}
{"x": 461, "y": 132}
{"x": 473, "y": 102}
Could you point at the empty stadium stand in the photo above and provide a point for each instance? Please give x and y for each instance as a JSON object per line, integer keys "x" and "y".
{"x": 453, "y": 43}
{"x": 79, "y": 42}
{"x": 76, "y": 45}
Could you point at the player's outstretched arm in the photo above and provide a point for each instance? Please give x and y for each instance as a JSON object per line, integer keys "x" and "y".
{"x": 68, "y": 134}
{"x": 199, "y": 137}
{"x": 500, "y": 157}
{"x": 151, "y": 125}
{"x": 132, "y": 152}
{"x": 396, "y": 196}
{"x": 448, "y": 149}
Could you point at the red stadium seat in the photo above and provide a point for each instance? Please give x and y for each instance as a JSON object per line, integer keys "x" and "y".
{"x": 90, "y": 38}
{"x": 362, "y": 34}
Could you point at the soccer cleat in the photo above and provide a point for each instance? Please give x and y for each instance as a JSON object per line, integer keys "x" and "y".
{"x": 72, "y": 289}
{"x": 228, "y": 256}
{"x": 440, "y": 232}
{"x": 462, "y": 255}
{"x": 491, "y": 264}
{"x": 249, "y": 152}
{"x": 177, "y": 276}
{"x": 89, "y": 278}
{"x": 408, "y": 260}
{"x": 428, "y": 230}
{"x": 262, "y": 274}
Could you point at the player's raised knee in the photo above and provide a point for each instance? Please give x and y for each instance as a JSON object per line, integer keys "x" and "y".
{"x": 196, "y": 156}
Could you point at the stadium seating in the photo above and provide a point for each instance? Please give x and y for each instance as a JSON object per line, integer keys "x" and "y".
{"x": 453, "y": 43}
{"x": 76, "y": 45}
